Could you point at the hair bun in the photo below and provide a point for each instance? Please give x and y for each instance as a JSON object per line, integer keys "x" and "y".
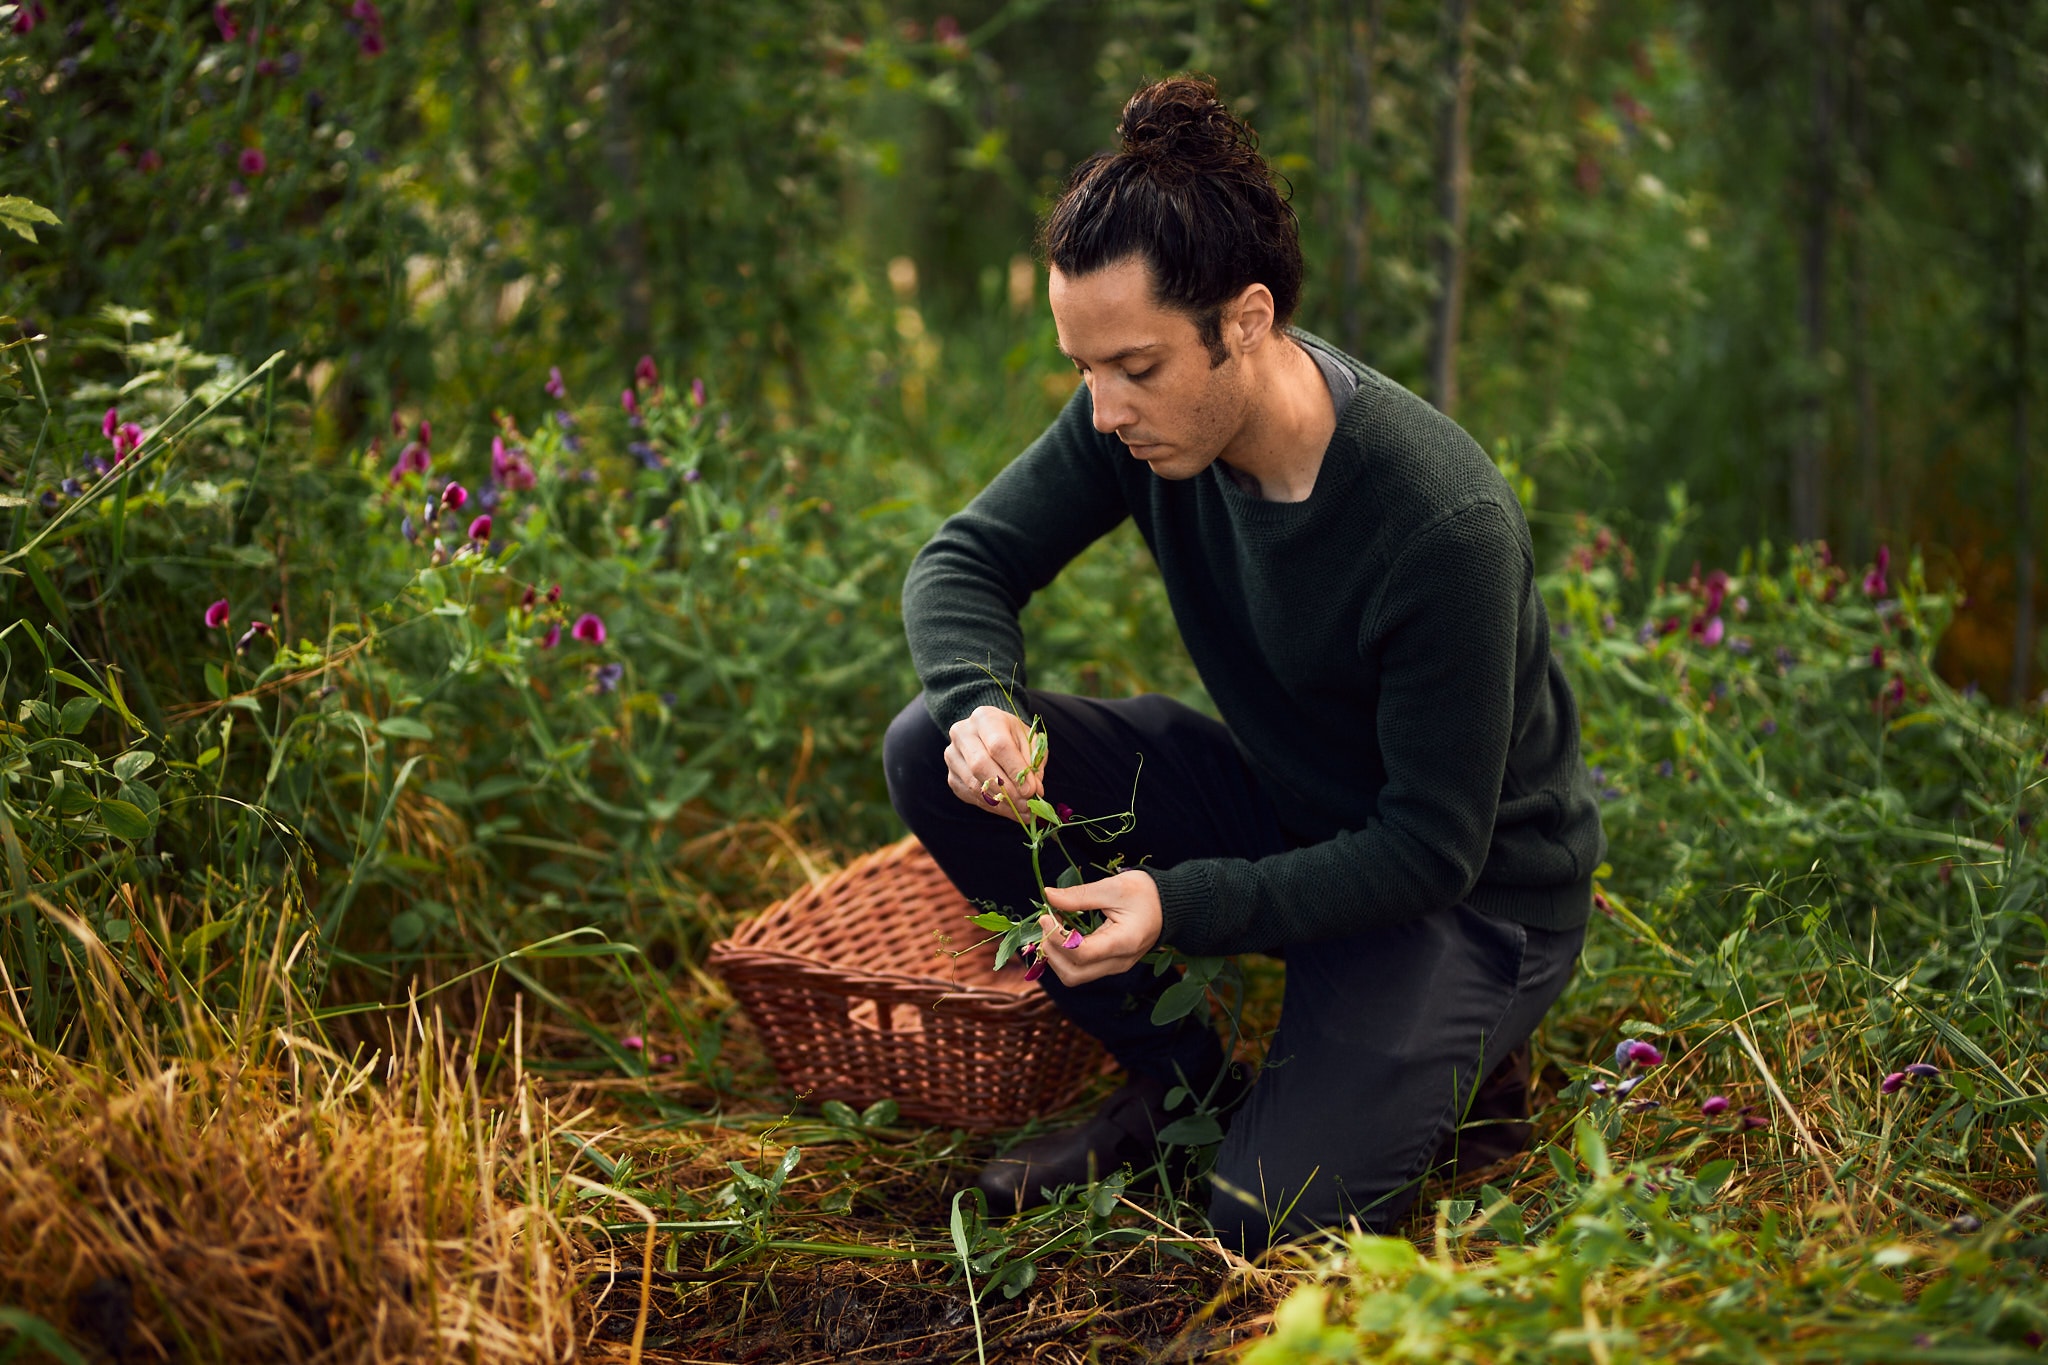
{"x": 1180, "y": 126}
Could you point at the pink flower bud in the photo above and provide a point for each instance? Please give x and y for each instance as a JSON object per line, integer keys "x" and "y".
{"x": 217, "y": 614}
{"x": 630, "y": 403}
{"x": 589, "y": 628}
{"x": 109, "y": 423}
{"x": 553, "y": 637}
{"x": 1073, "y": 940}
{"x": 645, "y": 374}
{"x": 453, "y": 496}
{"x": 1714, "y": 1105}
{"x": 480, "y": 529}
{"x": 1890, "y": 1084}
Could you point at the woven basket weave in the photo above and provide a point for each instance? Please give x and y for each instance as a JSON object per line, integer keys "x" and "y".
{"x": 855, "y": 988}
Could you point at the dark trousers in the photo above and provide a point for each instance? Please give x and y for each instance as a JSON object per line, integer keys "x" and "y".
{"x": 1382, "y": 1036}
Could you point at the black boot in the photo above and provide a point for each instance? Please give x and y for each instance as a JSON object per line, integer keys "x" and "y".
{"x": 1122, "y": 1132}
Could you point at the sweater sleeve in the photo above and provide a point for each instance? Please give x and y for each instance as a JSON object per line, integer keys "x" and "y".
{"x": 968, "y": 584}
{"x": 1446, "y": 626}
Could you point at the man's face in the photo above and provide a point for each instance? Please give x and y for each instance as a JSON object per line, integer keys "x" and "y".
{"x": 1146, "y": 368}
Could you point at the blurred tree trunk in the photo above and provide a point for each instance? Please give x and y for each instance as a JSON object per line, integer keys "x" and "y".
{"x": 1344, "y": 132}
{"x": 1869, "y": 453}
{"x": 628, "y": 231}
{"x": 1809, "y": 489}
{"x": 1453, "y": 184}
{"x": 2025, "y": 183}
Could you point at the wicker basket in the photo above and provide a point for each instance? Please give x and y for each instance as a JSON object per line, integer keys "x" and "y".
{"x": 854, "y": 986}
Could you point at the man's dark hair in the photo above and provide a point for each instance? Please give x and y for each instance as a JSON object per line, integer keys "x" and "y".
{"x": 1189, "y": 193}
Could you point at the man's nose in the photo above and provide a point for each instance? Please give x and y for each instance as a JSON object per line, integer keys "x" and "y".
{"x": 1110, "y": 414}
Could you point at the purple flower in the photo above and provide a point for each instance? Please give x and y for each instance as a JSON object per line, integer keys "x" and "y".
{"x": 1878, "y": 581}
{"x": 555, "y": 593}
{"x": 1751, "y": 1122}
{"x": 1877, "y": 656}
{"x": 453, "y": 496}
{"x": 432, "y": 511}
{"x": 110, "y": 423}
{"x": 645, "y": 374}
{"x": 1769, "y": 727}
{"x": 645, "y": 452}
{"x": 1709, "y": 631}
{"x": 629, "y": 402}
{"x": 127, "y": 440}
{"x": 608, "y": 676}
{"x": 1073, "y": 940}
{"x": 509, "y": 465}
{"x": 255, "y": 629}
{"x": 553, "y": 637}
{"x": 634, "y": 1041}
{"x": 692, "y": 475}
{"x": 990, "y": 799}
{"x": 1598, "y": 1087}
{"x": 224, "y": 20}
{"x": 527, "y": 600}
{"x": 1664, "y": 769}
{"x": 1785, "y": 657}
{"x": 1035, "y": 970}
{"x": 414, "y": 459}
{"x": 1627, "y": 1084}
{"x": 697, "y": 392}
{"x": 557, "y": 390}
{"x": 217, "y": 614}
{"x": 1890, "y": 1084}
{"x": 1064, "y": 811}
{"x": 1636, "y": 1052}
{"x": 589, "y": 628}
{"x": 407, "y": 529}
{"x": 480, "y": 529}
{"x": 1923, "y": 1070}
{"x": 1713, "y": 1106}
{"x": 251, "y": 161}
{"x": 72, "y": 488}
{"x": 565, "y": 419}
{"x": 372, "y": 43}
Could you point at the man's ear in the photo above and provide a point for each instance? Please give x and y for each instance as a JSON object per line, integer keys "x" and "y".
{"x": 1250, "y": 317}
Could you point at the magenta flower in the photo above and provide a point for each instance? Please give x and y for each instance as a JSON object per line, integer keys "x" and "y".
{"x": 1717, "y": 588}
{"x": 645, "y": 375}
{"x": 1708, "y": 630}
{"x": 453, "y": 496}
{"x": 633, "y": 1040}
{"x": 557, "y": 390}
{"x": 553, "y": 637}
{"x": 555, "y": 594}
{"x": 127, "y": 440}
{"x": 27, "y": 16}
{"x": 1753, "y": 1121}
{"x": 1035, "y": 970}
{"x": 217, "y": 614}
{"x": 1878, "y": 581}
{"x": 1923, "y": 1071}
{"x": 1636, "y": 1052}
{"x": 1877, "y": 656}
{"x": 110, "y": 423}
{"x": 480, "y": 529}
{"x": 1064, "y": 811}
{"x": 589, "y": 628}
{"x": 414, "y": 459}
{"x": 1890, "y": 1084}
{"x": 251, "y": 161}
{"x": 697, "y": 392}
{"x": 630, "y": 403}
{"x": 426, "y": 432}
{"x": 150, "y": 162}
{"x": 224, "y": 20}
{"x": 528, "y": 599}
{"x": 1073, "y": 940}
{"x": 255, "y": 629}
{"x": 372, "y": 43}
{"x": 1713, "y": 1106}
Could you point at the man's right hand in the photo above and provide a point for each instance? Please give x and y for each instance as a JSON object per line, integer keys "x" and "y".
{"x": 984, "y": 755}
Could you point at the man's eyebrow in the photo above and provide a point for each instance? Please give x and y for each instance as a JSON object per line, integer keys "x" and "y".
{"x": 1125, "y": 354}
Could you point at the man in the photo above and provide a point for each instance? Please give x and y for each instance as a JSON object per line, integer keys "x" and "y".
{"x": 1394, "y": 799}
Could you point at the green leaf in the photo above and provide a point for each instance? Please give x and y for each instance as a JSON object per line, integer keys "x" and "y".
{"x": 1711, "y": 1178}
{"x": 22, "y": 215}
{"x": 116, "y": 930}
{"x": 407, "y": 927}
{"x": 995, "y": 921}
{"x": 1042, "y": 808}
{"x": 133, "y": 763}
{"x": 840, "y": 1114}
{"x": 76, "y": 713}
{"x": 1592, "y": 1146}
{"x": 1072, "y": 876}
{"x": 216, "y": 681}
{"x": 880, "y": 1114}
{"x": 1179, "y": 1000}
{"x": 195, "y": 942}
{"x": 123, "y": 820}
{"x": 1196, "y": 1130}
{"x": 404, "y": 727}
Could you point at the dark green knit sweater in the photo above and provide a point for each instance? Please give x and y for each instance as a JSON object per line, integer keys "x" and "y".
{"x": 1379, "y": 651}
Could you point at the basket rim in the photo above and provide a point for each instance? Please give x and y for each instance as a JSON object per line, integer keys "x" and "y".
{"x": 743, "y": 953}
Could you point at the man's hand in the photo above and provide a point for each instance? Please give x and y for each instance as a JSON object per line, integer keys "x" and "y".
{"x": 1131, "y": 902}
{"x": 985, "y": 753}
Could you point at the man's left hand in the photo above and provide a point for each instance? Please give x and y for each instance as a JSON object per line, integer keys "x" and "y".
{"x": 1130, "y": 900}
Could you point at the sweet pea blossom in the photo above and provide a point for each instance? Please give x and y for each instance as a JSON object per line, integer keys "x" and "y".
{"x": 589, "y": 628}
{"x": 1890, "y": 1084}
{"x": 555, "y": 593}
{"x": 629, "y": 402}
{"x": 414, "y": 459}
{"x": 1878, "y": 581}
{"x": 1636, "y": 1052}
{"x": 553, "y": 637}
{"x": 453, "y": 496}
{"x": 608, "y": 676}
{"x": 1064, "y": 811}
{"x": 645, "y": 374}
{"x": 1923, "y": 1070}
{"x": 1713, "y": 1106}
{"x": 634, "y": 1041}
{"x": 557, "y": 390}
{"x": 480, "y": 529}
{"x": 224, "y": 20}
{"x": 110, "y": 423}
{"x": 256, "y": 628}
{"x": 697, "y": 392}
{"x": 251, "y": 161}
{"x": 1073, "y": 940}
{"x": 217, "y": 614}
{"x": 1709, "y": 630}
